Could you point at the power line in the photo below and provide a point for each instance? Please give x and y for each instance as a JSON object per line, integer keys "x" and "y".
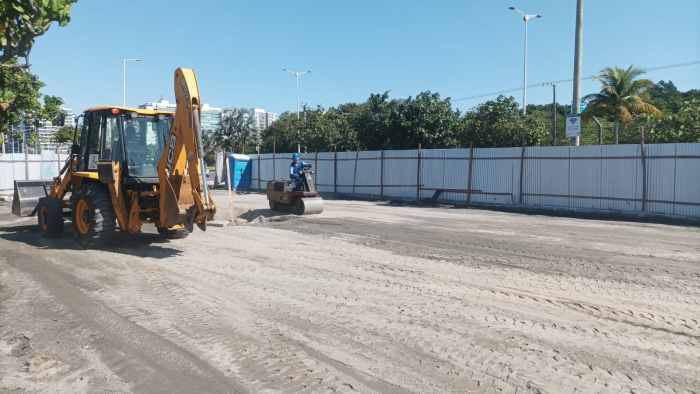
{"x": 571, "y": 80}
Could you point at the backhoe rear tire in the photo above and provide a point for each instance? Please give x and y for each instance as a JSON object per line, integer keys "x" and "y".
{"x": 273, "y": 205}
{"x": 50, "y": 217}
{"x": 177, "y": 233}
{"x": 94, "y": 220}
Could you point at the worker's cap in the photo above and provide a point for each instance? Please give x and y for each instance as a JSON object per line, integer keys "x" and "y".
{"x": 295, "y": 156}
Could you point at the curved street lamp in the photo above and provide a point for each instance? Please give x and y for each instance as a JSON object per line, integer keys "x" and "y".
{"x": 525, "y": 18}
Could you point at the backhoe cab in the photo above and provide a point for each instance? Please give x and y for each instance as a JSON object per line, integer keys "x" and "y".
{"x": 131, "y": 166}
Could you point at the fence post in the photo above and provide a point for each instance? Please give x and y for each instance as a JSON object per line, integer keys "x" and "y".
{"x": 258, "y": 168}
{"x": 58, "y": 154}
{"x": 354, "y": 175}
{"x": 522, "y": 167}
{"x": 26, "y": 161}
{"x": 469, "y": 181}
{"x": 381, "y": 175}
{"x": 230, "y": 196}
{"x": 644, "y": 173}
{"x": 316, "y": 165}
{"x": 335, "y": 169}
{"x": 418, "y": 176}
{"x": 274, "y": 159}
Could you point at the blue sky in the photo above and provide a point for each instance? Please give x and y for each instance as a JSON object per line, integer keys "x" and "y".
{"x": 459, "y": 49}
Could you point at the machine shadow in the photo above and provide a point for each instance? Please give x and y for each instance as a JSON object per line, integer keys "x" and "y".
{"x": 282, "y": 213}
{"x": 136, "y": 245}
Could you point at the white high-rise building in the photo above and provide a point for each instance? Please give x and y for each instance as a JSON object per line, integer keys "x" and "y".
{"x": 211, "y": 116}
{"x": 262, "y": 119}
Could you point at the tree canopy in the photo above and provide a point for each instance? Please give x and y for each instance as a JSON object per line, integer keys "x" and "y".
{"x": 622, "y": 95}
{"x": 22, "y": 21}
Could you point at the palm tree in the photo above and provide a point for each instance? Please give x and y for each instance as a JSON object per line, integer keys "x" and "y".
{"x": 621, "y": 96}
{"x": 236, "y": 129}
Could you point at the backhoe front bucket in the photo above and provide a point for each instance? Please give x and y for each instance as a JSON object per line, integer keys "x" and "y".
{"x": 27, "y": 195}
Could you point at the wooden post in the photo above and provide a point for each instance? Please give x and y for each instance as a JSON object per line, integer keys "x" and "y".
{"x": 258, "y": 167}
{"x": 335, "y": 169}
{"x": 354, "y": 175}
{"x": 58, "y": 155}
{"x": 316, "y": 165}
{"x": 274, "y": 158}
{"x": 230, "y": 195}
{"x": 418, "y": 176}
{"x": 469, "y": 180}
{"x": 644, "y": 173}
{"x": 381, "y": 175}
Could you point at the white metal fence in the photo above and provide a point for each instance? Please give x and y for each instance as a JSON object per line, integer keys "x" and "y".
{"x": 660, "y": 178}
{"x": 22, "y": 166}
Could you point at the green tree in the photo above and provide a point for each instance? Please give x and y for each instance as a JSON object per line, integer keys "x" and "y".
{"x": 33, "y": 141}
{"x": 211, "y": 146}
{"x": 22, "y": 21}
{"x": 500, "y": 123}
{"x": 322, "y": 131}
{"x": 281, "y": 135}
{"x": 621, "y": 96}
{"x": 19, "y": 98}
{"x": 681, "y": 126}
{"x": 65, "y": 134}
{"x": 51, "y": 110}
{"x": 236, "y": 129}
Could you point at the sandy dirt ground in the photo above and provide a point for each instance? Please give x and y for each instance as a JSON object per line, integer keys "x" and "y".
{"x": 367, "y": 297}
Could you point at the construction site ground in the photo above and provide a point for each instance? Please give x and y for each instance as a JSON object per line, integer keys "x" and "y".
{"x": 368, "y": 297}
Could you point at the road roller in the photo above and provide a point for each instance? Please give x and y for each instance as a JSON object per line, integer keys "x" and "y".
{"x": 284, "y": 194}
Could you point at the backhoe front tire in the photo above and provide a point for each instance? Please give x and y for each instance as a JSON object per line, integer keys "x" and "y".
{"x": 94, "y": 220}
{"x": 273, "y": 205}
{"x": 50, "y": 217}
{"x": 177, "y": 233}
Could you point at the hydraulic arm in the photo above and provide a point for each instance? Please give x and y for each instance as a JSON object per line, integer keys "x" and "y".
{"x": 184, "y": 196}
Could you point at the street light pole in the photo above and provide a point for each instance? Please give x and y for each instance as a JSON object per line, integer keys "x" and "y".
{"x": 554, "y": 111}
{"x": 135, "y": 60}
{"x": 578, "y": 64}
{"x": 297, "y": 74}
{"x": 525, "y": 18}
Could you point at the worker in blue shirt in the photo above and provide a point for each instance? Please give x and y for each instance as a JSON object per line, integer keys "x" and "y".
{"x": 296, "y": 167}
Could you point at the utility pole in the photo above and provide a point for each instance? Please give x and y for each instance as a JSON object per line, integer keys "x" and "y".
{"x": 554, "y": 112}
{"x": 577, "y": 64}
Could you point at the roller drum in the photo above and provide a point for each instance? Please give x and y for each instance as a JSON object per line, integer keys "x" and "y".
{"x": 310, "y": 206}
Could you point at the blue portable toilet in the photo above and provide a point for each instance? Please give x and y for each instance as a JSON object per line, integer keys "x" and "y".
{"x": 239, "y": 168}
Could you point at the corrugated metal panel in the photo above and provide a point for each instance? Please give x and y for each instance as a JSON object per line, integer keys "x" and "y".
{"x": 555, "y": 175}
{"x": 254, "y": 172}
{"x": 496, "y": 170}
{"x": 456, "y": 174}
{"x": 19, "y": 168}
{"x": 546, "y": 172}
{"x": 621, "y": 177}
{"x": 432, "y": 171}
{"x": 7, "y": 168}
{"x": 687, "y": 180}
{"x": 265, "y": 169}
{"x": 585, "y": 176}
{"x": 369, "y": 167}
{"x": 660, "y": 186}
{"x": 401, "y": 172}
{"x": 325, "y": 172}
{"x": 346, "y": 169}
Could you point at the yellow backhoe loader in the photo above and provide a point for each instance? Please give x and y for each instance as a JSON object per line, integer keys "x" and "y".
{"x": 130, "y": 167}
